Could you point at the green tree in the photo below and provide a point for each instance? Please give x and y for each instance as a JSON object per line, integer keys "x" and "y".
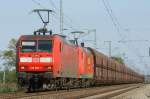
{"x": 9, "y": 55}
{"x": 118, "y": 59}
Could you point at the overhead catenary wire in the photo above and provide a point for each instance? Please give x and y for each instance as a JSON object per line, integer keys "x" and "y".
{"x": 118, "y": 26}
{"x": 57, "y": 10}
{"x": 53, "y": 4}
{"x": 110, "y": 15}
{"x": 114, "y": 16}
{"x": 63, "y": 17}
{"x": 67, "y": 20}
{"x": 38, "y": 3}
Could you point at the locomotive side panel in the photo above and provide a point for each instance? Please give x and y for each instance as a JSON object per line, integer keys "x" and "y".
{"x": 68, "y": 59}
{"x": 86, "y": 63}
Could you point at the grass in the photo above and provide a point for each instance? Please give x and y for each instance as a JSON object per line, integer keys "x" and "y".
{"x": 8, "y": 87}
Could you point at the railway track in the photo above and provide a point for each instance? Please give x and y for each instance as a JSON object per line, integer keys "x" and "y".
{"x": 84, "y": 93}
{"x": 110, "y": 94}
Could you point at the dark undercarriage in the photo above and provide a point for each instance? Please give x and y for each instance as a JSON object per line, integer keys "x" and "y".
{"x": 39, "y": 82}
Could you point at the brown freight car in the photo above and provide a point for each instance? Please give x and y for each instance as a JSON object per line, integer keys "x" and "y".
{"x": 109, "y": 71}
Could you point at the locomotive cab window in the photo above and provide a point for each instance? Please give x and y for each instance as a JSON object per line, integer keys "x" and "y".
{"x": 28, "y": 46}
{"x": 45, "y": 46}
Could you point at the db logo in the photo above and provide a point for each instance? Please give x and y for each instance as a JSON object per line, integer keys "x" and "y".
{"x": 36, "y": 60}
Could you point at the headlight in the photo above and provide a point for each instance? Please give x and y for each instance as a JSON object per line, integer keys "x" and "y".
{"x": 49, "y": 68}
{"x": 25, "y": 59}
{"x": 45, "y": 59}
{"x": 22, "y": 67}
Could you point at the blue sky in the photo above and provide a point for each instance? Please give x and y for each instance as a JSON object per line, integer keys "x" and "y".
{"x": 133, "y": 15}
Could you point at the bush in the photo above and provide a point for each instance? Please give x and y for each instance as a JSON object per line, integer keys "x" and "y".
{"x": 10, "y": 77}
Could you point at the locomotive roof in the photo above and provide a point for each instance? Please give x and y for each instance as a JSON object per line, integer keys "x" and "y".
{"x": 30, "y": 37}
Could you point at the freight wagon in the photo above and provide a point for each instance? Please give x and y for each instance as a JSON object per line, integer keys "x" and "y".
{"x": 109, "y": 71}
